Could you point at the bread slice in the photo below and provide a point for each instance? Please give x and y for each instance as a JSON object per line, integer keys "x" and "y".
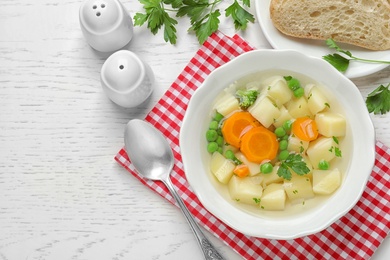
{"x": 364, "y": 23}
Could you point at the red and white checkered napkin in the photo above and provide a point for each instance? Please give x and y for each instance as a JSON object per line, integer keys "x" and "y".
{"x": 355, "y": 236}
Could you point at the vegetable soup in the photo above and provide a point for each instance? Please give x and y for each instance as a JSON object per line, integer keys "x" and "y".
{"x": 277, "y": 142}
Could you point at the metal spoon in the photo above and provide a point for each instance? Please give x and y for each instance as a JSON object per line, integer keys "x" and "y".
{"x": 152, "y": 157}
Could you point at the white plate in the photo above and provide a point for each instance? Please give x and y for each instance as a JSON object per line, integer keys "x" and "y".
{"x": 317, "y": 48}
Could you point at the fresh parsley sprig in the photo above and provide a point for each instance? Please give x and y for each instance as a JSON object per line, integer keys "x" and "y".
{"x": 204, "y": 17}
{"x": 378, "y": 101}
{"x": 203, "y": 14}
{"x": 294, "y": 162}
{"x": 240, "y": 16}
{"x": 156, "y": 15}
{"x": 340, "y": 62}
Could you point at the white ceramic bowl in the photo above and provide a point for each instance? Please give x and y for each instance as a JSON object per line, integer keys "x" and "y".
{"x": 277, "y": 225}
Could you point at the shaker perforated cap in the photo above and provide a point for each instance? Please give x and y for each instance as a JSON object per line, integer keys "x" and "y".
{"x": 106, "y": 24}
{"x": 123, "y": 70}
{"x": 101, "y": 16}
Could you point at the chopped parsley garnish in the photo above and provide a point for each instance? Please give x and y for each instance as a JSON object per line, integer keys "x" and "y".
{"x": 337, "y": 152}
{"x": 293, "y": 162}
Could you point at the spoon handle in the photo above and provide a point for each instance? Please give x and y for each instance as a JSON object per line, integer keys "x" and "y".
{"x": 209, "y": 252}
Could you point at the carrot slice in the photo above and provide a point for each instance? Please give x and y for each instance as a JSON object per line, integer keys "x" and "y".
{"x": 259, "y": 144}
{"x": 305, "y": 129}
{"x": 236, "y": 125}
{"x": 241, "y": 170}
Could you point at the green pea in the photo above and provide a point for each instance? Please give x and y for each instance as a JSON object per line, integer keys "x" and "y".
{"x": 266, "y": 168}
{"x": 294, "y": 84}
{"x": 287, "y": 125}
{"x": 283, "y": 155}
{"x": 218, "y": 117}
{"x": 299, "y": 92}
{"x": 280, "y": 132}
{"x": 211, "y": 135}
{"x": 212, "y": 147}
{"x": 213, "y": 125}
{"x": 283, "y": 145}
{"x": 323, "y": 165}
{"x": 220, "y": 150}
{"x": 220, "y": 140}
{"x": 229, "y": 154}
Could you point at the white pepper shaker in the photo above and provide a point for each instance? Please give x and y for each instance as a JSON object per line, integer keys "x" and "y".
{"x": 105, "y": 24}
{"x": 126, "y": 79}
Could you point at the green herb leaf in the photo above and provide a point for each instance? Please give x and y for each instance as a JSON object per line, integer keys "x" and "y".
{"x": 333, "y": 45}
{"x": 257, "y": 200}
{"x": 173, "y": 3}
{"x": 284, "y": 172}
{"x": 341, "y": 63}
{"x": 203, "y": 15}
{"x": 240, "y": 16}
{"x": 294, "y": 162}
{"x": 337, "y": 152}
{"x": 140, "y": 19}
{"x": 195, "y": 10}
{"x": 378, "y": 101}
{"x": 207, "y": 26}
{"x": 337, "y": 61}
{"x": 247, "y": 3}
{"x": 157, "y": 17}
{"x": 169, "y": 29}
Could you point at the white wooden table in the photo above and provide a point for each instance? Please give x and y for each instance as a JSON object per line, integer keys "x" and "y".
{"x": 62, "y": 195}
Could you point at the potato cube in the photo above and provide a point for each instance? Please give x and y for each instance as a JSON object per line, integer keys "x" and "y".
{"x": 326, "y": 182}
{"x": 321, "y": 149}
{"x": 279, "y": 91}
{"x": 309, "y": 165}
{"x": 221, "y": 167}
{"x": 298, "y": 107}
{"x": 265, "y": 111}
{"x": 227, "y": 104}
{"x": 299, "y": 188}
{"x": 245, "y": 190}
{"x": 271, "y": 177}
{"x": 284, "y": 116}
{"x": 316, "y": 100}
{"x": 297, "y": 145}
{"x": 274, "y": 197}
{"x": 330, "y": 124}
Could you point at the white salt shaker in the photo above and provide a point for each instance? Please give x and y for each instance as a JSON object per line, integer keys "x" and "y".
{"x": 105, "y": 24}
{"x": 126, "y": 79}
